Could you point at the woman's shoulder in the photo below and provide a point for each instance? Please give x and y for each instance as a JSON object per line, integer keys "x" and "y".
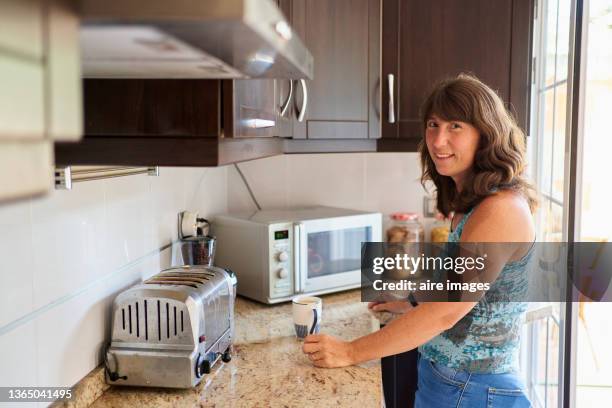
{"x": 501, "y": 217}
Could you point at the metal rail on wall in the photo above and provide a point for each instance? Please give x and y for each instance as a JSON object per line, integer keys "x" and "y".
{"x": 65, "y": 176}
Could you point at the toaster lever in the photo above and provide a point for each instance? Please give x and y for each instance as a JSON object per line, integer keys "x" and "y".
{"x": 112, "y": 375}
{"x": 205, "y": 367}
{"x": 202, "y": 366}
{"x": 227, "y": 356}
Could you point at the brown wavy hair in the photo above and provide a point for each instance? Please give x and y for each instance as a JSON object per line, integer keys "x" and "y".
{"x": 499, "y": 162}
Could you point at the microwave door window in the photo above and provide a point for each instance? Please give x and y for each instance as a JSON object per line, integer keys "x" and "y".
{"x": 336, "y": 251}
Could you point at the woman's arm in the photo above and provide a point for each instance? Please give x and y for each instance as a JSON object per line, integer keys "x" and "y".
{"x": 406, "y": 332}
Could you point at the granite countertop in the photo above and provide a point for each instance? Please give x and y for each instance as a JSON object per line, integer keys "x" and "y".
{"x": 268, "y": 368}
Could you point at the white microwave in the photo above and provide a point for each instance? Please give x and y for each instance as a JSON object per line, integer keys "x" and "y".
{"x": 277, "y": 254}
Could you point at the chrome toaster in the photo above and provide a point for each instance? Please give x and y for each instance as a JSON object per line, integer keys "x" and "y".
{"x": 171, "y": 329}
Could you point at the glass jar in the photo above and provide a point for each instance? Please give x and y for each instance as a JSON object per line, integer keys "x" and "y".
{"x": 440, "y": 229}
{"x": 404, "y": 228}
{"x": 405, "y": 236}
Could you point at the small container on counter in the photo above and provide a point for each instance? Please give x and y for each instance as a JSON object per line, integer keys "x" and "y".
{"x": 404, "y": 227}
{"x": 440, "y": 229}
{"x": 406, "y": 234}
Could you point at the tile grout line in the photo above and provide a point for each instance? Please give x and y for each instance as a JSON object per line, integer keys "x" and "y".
{"x": 35, "y": 313}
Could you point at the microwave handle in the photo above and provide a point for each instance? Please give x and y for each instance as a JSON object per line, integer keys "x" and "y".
{"x": 297, "y": 259}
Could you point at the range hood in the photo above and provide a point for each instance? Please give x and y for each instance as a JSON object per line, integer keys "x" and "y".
{"x": 190, "y": 39}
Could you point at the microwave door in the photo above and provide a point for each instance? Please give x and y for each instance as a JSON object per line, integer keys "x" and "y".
{"x": 331, "y": 253}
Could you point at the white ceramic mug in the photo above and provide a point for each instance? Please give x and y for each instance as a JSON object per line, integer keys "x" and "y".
{"x": 307, "y": 313}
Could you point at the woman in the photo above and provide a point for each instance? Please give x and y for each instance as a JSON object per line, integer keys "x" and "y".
{"x": 474, "y": 153}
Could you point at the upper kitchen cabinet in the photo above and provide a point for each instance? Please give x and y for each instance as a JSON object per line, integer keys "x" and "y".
{"x": 40, "y": 91}
{"x": 173, "y": 122}
{"x": 424, "y": 41}
{"x": 342, "y": 101}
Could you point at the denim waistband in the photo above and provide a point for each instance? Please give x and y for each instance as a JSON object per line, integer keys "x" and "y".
{"x": 451, "y": 373}
{"x": 501, "y": 380}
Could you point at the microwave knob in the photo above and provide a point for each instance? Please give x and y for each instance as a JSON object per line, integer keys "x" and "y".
{"x": 282, "y": 256}
{"x": 282, "y": 273}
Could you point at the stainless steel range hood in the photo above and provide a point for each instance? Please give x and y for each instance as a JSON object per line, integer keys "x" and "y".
{"x": 190, "y": 39}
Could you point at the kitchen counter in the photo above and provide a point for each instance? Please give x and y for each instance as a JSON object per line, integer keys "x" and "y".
{"x": 268, "y": 368}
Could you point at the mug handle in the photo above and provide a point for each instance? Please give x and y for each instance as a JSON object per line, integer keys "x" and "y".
{"x": 314, "y": 324}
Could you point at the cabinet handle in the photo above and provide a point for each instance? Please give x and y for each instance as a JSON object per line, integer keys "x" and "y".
{"x": 284, "y": 107}
{"x": 390, "y": 81}
{"x": 302, "y": 111}
{"x": 259, "y": 123}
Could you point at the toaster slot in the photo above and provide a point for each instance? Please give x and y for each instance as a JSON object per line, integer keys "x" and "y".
{"x": 159, "y": 320}
{"x": 137, "y": 321}
{"x": 167, "y": 320}
{"x": 187, "y": 272}
{"x": 146, "y": 320}
{"x": 130, "y": 317}
{"x": 199, "y": 276}
{"x": 175, "y": 331}
{"x": 173, "y": 282}
{"x": 181, "y": 278}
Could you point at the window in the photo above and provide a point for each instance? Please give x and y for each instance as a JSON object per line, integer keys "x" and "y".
{"x": 542, "y": 347}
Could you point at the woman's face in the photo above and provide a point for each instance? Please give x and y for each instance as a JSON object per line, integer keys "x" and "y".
{"x": 452, "y": 146}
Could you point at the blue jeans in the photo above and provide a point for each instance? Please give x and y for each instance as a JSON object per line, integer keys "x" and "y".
{"x": 443, "y": 387}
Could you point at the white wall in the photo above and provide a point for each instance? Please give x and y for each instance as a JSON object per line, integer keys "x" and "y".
{"x": 385, "y": 182}
{"x": 64, "y": 257}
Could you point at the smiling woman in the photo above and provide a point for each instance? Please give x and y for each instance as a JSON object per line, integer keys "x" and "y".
{"x": 474, "y": 153}
{"x": 469, "y": 133}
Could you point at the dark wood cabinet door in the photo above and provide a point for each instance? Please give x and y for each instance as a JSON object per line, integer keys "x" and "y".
{"x": 425, "y": 41}
{"x": 250, "y": 108}
{"x": 343, "y": 98}
{"x": 151, "y": 108}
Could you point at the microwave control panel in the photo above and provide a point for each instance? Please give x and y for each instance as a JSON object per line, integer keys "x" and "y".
{"x": 281, "y": 260}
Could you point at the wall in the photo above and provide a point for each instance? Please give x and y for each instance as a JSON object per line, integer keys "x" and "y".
{"x": 385, "y": 182}
{"x": 64, "y": 257}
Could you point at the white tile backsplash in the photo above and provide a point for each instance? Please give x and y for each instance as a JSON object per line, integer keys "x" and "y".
{"x": 392, "y": 183}
{"x": 335, "y": 180}
{"x": 129, "y": 219}
{"x": 269, "y": 179}
{"x": 166, "y": 195}
{"x": 19, "y": 357}
{"x": 238, "y": 197}
{"x": 69, "y": 240}
{"x": 64, "y": 257}
{"x": 70, "y": 338}
{"x": 16, "y": 263}
{"x": 207, "y": 190}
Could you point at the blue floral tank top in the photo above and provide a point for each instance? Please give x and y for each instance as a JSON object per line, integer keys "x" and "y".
{"x": 487, "y": 338}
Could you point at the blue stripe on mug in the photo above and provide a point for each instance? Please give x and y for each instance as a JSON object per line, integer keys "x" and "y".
{"x": 314, "y": 323}
{"x": 301, "y": 330}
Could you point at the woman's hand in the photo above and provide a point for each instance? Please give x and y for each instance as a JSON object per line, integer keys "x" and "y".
{"x": 328, "y": 351}
{"x": 397, "y": 307}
